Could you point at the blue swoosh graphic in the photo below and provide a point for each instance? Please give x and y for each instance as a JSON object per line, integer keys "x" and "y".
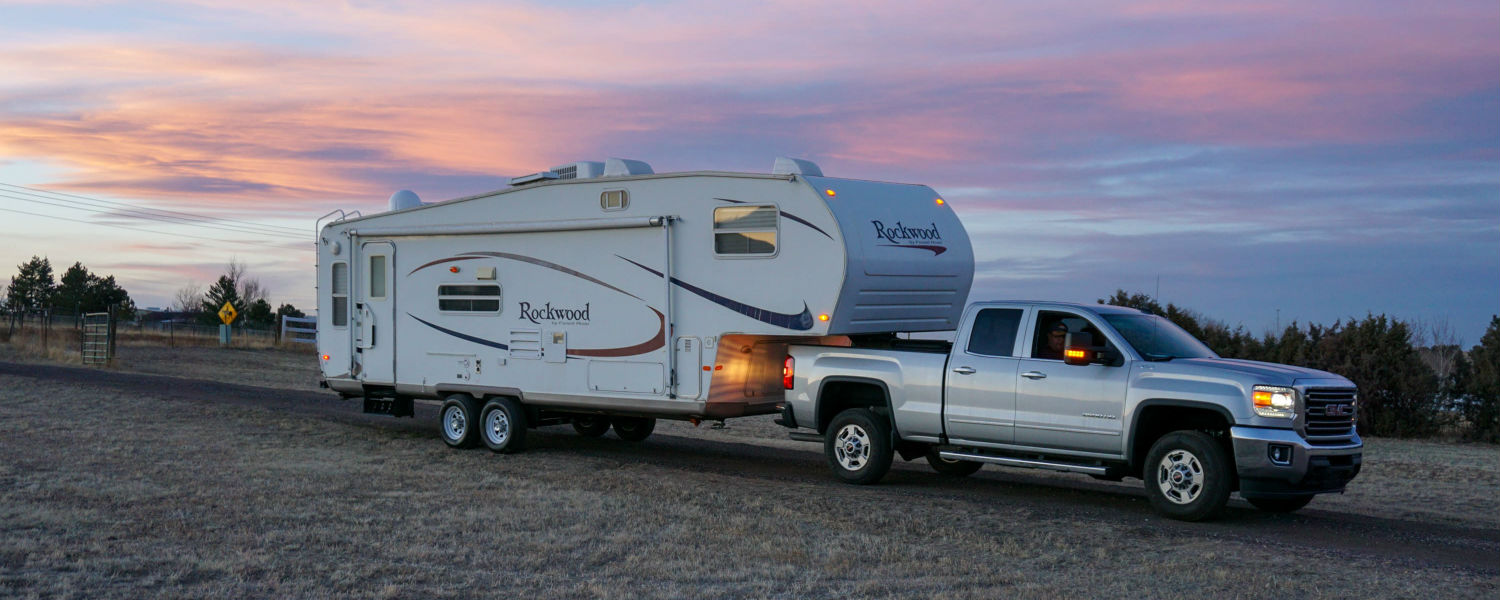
{"x": 796, "y": 322}
{"x": 462, "y": 336}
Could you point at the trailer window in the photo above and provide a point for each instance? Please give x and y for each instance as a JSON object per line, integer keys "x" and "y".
{"x": 614, "y": 200}
{"x": 377, "y": 277}
{"x": 471, "y": 298}
{"x": 340, "y": 294}
{"x": 745, "y": 230}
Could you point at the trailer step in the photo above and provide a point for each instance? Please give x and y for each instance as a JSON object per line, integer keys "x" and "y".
{"x": 395, "y": 407}
{"x": 1025, "y": 463}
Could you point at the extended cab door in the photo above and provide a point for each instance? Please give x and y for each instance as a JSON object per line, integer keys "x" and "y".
{"x": 1065, "y": 406}
{"x": 980, "y": 404}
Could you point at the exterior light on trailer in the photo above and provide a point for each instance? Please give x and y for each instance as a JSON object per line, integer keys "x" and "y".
{"x": 823, "y": 317}
{"x": 325, "y": 357}
{"x": 787, "y": 372}
{"x": 829, "y": 192}
{"x": 452, "y": 269}
{"x": 940, "y": 202}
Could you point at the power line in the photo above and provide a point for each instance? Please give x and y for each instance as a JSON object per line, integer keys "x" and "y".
{"x": 163, "y": 221}
{"x": 183, "y": 235}
{"x": 158, "y": 212}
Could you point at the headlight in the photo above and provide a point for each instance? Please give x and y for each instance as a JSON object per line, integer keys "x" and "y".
{"x": 1274, "y": 401}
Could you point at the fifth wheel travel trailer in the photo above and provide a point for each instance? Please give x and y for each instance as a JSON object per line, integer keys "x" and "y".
{"x": 604, "y": 294}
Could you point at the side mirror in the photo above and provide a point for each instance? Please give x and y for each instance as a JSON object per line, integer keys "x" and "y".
{"x": 1079, "y": 350}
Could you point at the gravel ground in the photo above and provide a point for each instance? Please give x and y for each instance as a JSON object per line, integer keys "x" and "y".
{"x": 194, "y": 484}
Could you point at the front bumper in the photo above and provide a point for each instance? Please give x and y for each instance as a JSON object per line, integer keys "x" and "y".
{"x": 1303, "y": 468}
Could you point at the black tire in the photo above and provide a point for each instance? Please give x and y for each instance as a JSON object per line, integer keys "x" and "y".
{"x": 1188, "y": 476}
{"x": 952, "y": 468}
{"x": 502, "y": 426}
{"x": 633, "y": 429}
{"x": 591, "y": 426}
{"x": 458, "y": 420}
{"x": 858, "y": 446}
{"x": 1280, "y": 505}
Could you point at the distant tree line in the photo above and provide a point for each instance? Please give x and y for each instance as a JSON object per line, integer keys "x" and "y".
{"x": 34, "y": 289}
{"x": 236, "y": 288}
{"x": 1407, "y": 388}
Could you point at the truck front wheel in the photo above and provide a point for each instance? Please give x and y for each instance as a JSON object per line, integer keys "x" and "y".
{"x": 858, "y": 446}
{"x": 1188, "y": 476}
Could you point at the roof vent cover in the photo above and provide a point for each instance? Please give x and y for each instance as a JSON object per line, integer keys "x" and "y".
{"x": 795, "y": 166}
{"x": 620, "y": 167}
{"x": 584, "y": 169}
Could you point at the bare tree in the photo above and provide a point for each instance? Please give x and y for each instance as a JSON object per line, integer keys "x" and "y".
{"x": 1440, "y": 347}
{"x": 249, "y": 288}
{"x": 189, "y": 299}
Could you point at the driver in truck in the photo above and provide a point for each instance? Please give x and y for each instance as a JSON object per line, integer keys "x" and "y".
{"x": 1057, "y": 337}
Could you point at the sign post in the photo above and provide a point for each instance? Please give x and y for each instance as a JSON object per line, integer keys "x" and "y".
{"x": 227, "y": 313}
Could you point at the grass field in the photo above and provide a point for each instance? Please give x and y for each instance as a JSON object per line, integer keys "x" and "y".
{"x": 185, "y": 488}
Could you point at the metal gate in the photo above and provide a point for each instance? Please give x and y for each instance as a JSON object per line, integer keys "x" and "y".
{"x": 98, "y": 345}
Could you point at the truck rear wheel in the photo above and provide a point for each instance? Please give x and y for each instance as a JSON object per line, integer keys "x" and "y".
{"x": 459, "y": 420}
{"x": 948, "y": 467}
{"x": 1188, "y": 476}
{"x": 858, "y": 446}
{"x": 634, "y": 429}
{"x": 1280, "y": 505}
{"x": 591, "y": 426}
{"x": 503, "y": 426}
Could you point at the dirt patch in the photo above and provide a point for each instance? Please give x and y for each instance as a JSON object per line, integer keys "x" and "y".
{"x": 188, "y": 487}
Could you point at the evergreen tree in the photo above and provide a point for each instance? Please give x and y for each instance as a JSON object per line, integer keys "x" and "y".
{"x": 259, "y": 315}
{"x": 1481, "y": 386}
{"x": 222, "y": 291}
{"x": 73, "y": 288}
{"x": 32, "y": 287}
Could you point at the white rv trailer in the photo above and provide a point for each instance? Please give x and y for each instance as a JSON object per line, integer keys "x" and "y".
{"x": 599, "y": 292}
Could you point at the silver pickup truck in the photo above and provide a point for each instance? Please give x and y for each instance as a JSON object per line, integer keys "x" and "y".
{"x": 1102, "y": 390}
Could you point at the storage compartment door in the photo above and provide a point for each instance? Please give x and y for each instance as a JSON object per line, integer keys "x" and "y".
{"x": 689, "y": 367}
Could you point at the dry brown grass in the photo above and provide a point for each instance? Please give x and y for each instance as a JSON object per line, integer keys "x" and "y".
{"x": 116, "y": 495}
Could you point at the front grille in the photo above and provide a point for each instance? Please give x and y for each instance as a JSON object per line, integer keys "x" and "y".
{"x": 1329, "y": 416}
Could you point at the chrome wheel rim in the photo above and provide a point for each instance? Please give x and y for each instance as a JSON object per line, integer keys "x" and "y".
{"x": 852, "y": 447}
{"x": 1180, "y": 476}
{"x": 455, "y": 423}
{"x": 497, "y": 427}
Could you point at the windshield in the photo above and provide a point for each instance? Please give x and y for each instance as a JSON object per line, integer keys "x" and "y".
{"x": 1156, "y": 338}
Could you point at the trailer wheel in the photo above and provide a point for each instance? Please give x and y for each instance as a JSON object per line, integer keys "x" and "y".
{"x": 858, "y": 446}
{"x": 591, "y": 426}
{"x": 948, "y": 467}
{"x": 1188, "y": 476}
{"x": 503, "y": 426}
{"x": 633, "y": 429}
{"x": 459, "y": 420}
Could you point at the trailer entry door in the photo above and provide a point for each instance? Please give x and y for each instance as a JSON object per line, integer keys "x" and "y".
{"x": 377, "y": 313}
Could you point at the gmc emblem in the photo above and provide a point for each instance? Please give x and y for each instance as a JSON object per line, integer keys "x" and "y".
{"x": 1337, "y": 410}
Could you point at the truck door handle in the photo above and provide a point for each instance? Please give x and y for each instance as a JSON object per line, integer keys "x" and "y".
{"x": 964, "y": 370}
{"x": 1034, "y": 375}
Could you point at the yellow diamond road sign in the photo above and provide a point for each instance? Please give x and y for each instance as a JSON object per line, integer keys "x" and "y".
{"x": 228, "y": 313}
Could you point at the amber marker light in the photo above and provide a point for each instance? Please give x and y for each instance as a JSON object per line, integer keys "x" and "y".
{"x": 1076, "y": 353}
{"x": 830, "y": 193}
{"x": 940, "y": 202}
{"x": 823, "y": 317}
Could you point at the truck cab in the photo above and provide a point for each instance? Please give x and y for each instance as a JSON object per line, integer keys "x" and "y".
{"x": 1102, "y": 390}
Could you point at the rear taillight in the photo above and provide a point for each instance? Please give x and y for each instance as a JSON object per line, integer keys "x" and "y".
{"x": 787, "y": 372}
